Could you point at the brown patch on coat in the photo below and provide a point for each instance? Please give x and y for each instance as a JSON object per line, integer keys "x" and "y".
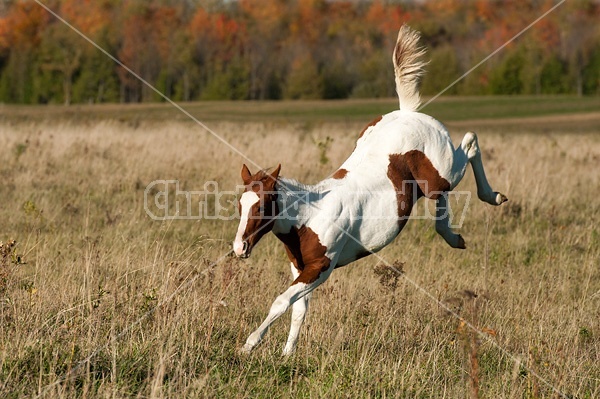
{"x": 340, "y": 174}
{"x": 413, "y": 176}
{"x": 372, "y": 123}
{"x": 431, "y": 184}
{"x": 306, "y": 252}
{"x": 401, "y": 177}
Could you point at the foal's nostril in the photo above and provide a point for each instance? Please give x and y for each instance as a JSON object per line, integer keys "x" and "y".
{"x": 245, "y": 246}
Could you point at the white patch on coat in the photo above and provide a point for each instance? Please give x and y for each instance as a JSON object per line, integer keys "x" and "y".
{"x": 248, "y": 199}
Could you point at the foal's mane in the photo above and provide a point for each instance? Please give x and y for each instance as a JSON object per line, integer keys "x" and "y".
{"x": 291, "y": 186}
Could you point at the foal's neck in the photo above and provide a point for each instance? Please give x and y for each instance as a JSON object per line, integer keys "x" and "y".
{"x": 294, "y": 200}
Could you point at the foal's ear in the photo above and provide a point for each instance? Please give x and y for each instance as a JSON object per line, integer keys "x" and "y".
{"x": 246, "y": 175}
{"x": 275, "y": 173}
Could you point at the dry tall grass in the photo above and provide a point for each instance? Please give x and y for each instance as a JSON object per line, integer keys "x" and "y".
{"x": 81, "y": 299}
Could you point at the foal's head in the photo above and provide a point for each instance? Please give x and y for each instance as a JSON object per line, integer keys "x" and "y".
{"x": 258, "y": 209}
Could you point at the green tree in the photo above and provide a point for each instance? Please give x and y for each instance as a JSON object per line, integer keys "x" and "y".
{"x": 591, "y": 73}
{"x": 506, "y": 78}
{"x": 533, "y": 56}
{"x": 375, "y": 77}
{"x": 231, "y": 83}
{"x": 337, "y": 81}
{"x": 60, "y": 59}
{"x": 442, "y": 70}
{"x": 16, "y": 84}
{"x": 552, "y": 77}
{"x": 97, "y": 81}
{"x": 304, "y": 80}
{"x": 476, "y": 83}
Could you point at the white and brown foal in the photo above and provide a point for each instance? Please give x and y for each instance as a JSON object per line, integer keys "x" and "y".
{"x": 398, "y": 158}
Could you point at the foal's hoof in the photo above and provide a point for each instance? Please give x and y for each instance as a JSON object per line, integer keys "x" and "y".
{"x": 245, "y": 350}
{"x": 500, "y": 198}
{"x": 288, "y": 351}
{"x": 461, "y": 243}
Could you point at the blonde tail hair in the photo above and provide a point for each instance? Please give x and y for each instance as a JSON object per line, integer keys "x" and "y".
{"x": 409, "y": 66}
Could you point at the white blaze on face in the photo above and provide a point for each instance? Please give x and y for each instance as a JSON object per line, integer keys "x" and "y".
{"x": 248, "y": 199}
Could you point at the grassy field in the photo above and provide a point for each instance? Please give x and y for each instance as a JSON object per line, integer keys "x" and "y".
{"x": 99, "y": 300}
{"x": 447, "y": 109}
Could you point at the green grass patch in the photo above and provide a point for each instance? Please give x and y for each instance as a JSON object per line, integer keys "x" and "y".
{"x": 446, "y": 109}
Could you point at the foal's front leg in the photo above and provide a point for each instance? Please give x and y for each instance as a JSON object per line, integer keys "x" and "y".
{"x": 299, "y": 309}
{"x": 296, "y": 291}
{"x": 442, "y": 223}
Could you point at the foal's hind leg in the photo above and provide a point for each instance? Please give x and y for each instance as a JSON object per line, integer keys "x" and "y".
{"x": 442, "y": 223}
{"x": 434, "y": 186}
{"x": 484, "y": 191}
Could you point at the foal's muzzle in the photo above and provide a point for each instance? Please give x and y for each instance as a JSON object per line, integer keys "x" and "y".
{"x": 245, "y": 250}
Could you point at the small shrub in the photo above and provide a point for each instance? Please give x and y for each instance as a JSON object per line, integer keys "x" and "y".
{"x": 20, "y": 149}
{"x": 323, "y": 146}
{"x": 30, "y": 209}
{"x": 389, "y": 276}
{"x": 8, "y": 257}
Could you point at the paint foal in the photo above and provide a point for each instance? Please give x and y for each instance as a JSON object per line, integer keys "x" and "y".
{"x": 398, "y": 158}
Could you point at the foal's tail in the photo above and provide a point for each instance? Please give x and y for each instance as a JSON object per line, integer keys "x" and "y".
{"x": 408, "y": 67}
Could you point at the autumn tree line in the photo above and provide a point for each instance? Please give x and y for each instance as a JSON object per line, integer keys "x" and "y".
{"x": 289, "y": 49}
